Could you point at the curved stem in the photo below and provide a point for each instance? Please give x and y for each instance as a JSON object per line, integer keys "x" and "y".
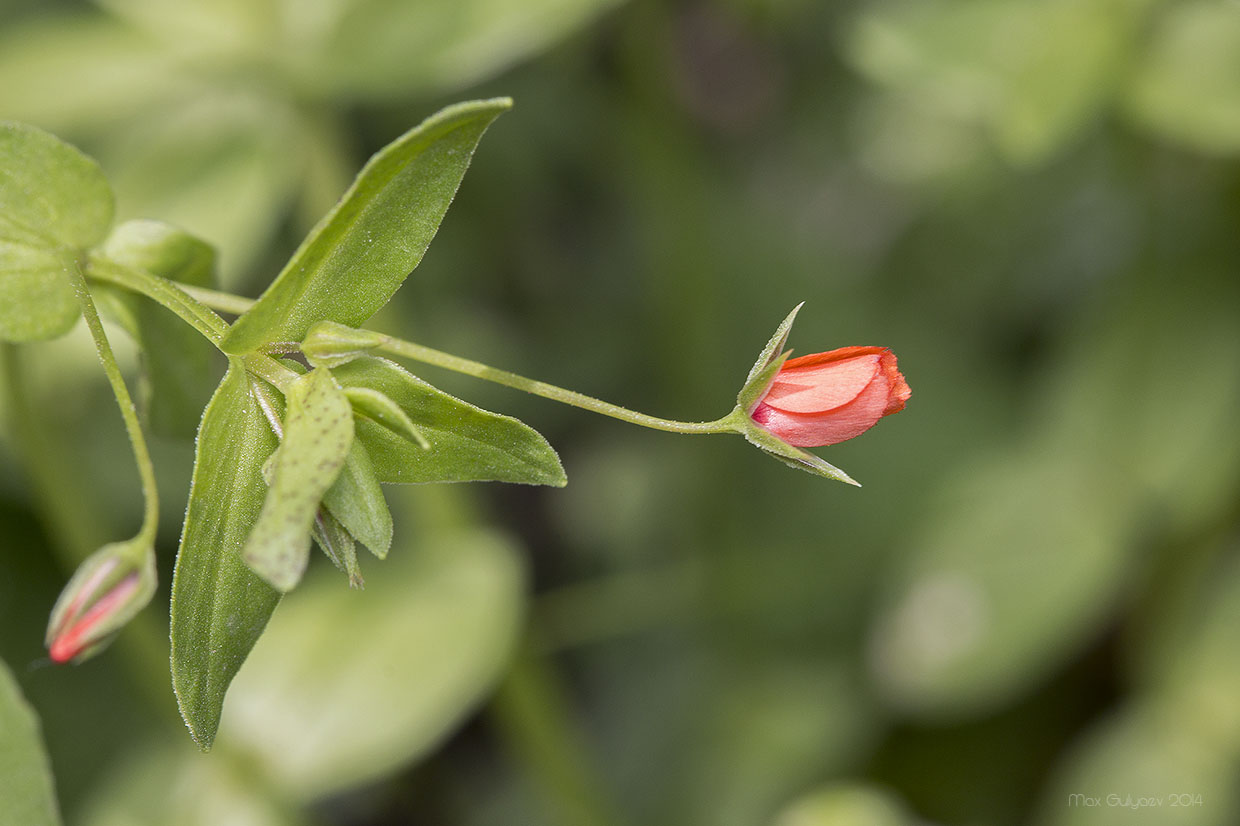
{"x": 230, "y": 303}
{"x": 146, "y": 470}
{"x": 438, "y": 358}
{"x": 224, "y": 302}
{"x": 182, "y": 300}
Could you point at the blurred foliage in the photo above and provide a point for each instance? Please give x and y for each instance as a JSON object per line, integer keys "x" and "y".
{"x": 1033, "y": 601}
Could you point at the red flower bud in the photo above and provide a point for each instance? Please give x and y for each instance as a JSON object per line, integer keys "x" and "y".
{"x": 827, "y": 398}
{"x": 107, "y": 590}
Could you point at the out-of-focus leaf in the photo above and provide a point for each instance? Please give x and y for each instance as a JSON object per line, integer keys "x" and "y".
{"x": 1020, "y": 562}
{"x": 467, "y": 444}
{"x": 76, "y": 74}
{"x": 1188, "y": 86}
{"x": 1129, "y": 395}
{"x": 318, "y": 433}
{"x": 346, "y": 686}
{"x": 54, "y": 203}
{"x": 160, "y": 785}
{"x": 27, "y": 796}
{"x": 219, "y": 164}
{"x": 1031, "y": 74}
{"x": 1198, "y": 675}
{"x": 846, "y": 804}
{"x": 1143, "y": 768}
{"x": 177, "y": 359}
{"x": 770, "y": 729}
{"x": 382, "y": 48}
{"x": 219, "y": 606}
{"x": 357, "y": 501}
{"x": 360, "y": 253}
{"x": 228, "y": 28}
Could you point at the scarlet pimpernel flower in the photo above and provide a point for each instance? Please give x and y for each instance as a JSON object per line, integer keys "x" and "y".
{"x": 813, "y": 401}
{"x": 827, "y": 398}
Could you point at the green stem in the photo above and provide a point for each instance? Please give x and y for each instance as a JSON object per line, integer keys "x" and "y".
{"x": 146, "y": 470}
{"x": 229, "y": 303}
{"x": 168, "y": 293}
{"x": 438, "y": 358}
{"x": 184, "y": 301}
{"x": 224, "y": 302}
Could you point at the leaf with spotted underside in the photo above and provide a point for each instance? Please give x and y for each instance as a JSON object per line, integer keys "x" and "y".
{"x": 318, "y": 433}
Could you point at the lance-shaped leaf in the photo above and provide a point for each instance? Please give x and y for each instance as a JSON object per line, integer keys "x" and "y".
{"x": 318, "y": 432}
{"x": 361, "y": 252}
{"x": 219, "y": 606}
{"x": 467, "y": 444}
{"x": 26, "y": 794}
{"x": 176, "y": 358}
{"x": 54, "y": 203}
{"x": 356, "y": 500}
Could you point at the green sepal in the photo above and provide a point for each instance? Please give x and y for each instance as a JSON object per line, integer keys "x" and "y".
{"x": 792, "y": 456}
{"x": 328, "y": 344}
{"x": 756, "y": 387}
{"x": 338, "y": 544}
{"x": 177, "y": 360}
{"x": 467, "y": 444}
{"x": 356, "y": 258}
{"x": 381, "y": 409}
{"x": 356, "y": 500}
{"x": 219, "y": 606}
{"x": 55, "y": 203}
{"x": 318, "y": 433}
{"x": 760, "y": 375}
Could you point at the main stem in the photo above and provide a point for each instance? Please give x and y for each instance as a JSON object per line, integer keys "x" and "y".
{"x": 438, "y": 358}
{"x": 146, "y": 470}
{"x": 191, "y": 302}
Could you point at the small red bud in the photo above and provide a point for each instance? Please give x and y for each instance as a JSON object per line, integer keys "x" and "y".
{"x": 826, "y": 398}
{"x": 106, "y": 591}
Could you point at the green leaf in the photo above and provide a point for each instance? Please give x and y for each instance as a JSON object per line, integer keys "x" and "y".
{"x": 219, "y": 606}
{"x": 318, "y": 432}
{"x": 361, "y": 252}
{"x": 346, "y": 687}
{"x": 847, "y": 804}
{"x": 390, "y": 49}
{"x": 467, "y": 444}
{"x": 83, "y": 72}
{"x": 163, "y": 782}
{"x": 54, "y": 203}
{"x": 1188, "y": 86}
{"x": 970, "y": 623}
{"x": 27, "y": 797}
{"x": 176, "y": 358}
{"x": 356, "y": 500}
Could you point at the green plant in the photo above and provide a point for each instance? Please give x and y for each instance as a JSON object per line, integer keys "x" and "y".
{"x": 288, "y": 451}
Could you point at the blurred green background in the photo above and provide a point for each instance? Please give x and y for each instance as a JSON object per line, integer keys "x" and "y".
{"x": 1030, "y": 614}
